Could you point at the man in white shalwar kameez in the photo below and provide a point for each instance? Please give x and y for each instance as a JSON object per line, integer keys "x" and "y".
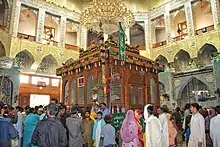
{"x": 197, "y": 128}
{"x": 164, "y": 123}
{"x": 214, "y": 128}
{"x": 154, "y": 131}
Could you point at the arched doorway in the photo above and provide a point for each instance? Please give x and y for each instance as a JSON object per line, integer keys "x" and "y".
{"x": 182, "y": 61}
{"x": 205, "y": 55}
{"x": 2, "y": 50}
{"x": 137, "y": 36}
{"x": 48, "y": 65}
{"x": 24, "y": 60}
{"x": 193, "y": 91}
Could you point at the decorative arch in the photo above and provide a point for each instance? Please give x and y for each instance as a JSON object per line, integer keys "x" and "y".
{"x": 162, "y": 60}
{"x": 69, "y": 61}
{"x": 28, "y": 21}
{"x": 182, "y": 60}
{"x": 137, "y": 35}
{"x": 205, "y": 54}
{"x": 48, "y": 65}
{"x": 24, "y": 60}
{"x": 188, "y": 91}
{"x": 179, "y": 22}
{"x": 2, "y": 50}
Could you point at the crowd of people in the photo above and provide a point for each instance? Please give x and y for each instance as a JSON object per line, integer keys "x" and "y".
{"x": 57, "y": 126}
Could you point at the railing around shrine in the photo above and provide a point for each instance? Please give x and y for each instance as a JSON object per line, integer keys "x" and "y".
{"x": 71, "y": 47}
{"x": 27, "y": 37}
{"x": 52, "y": 42}
{"x": 204, "y": 30}
{"x": 159, "y": 44}
{"x": 180, "y": 37}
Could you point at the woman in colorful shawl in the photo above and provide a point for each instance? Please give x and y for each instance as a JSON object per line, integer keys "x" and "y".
{"x": 138, "y": 116}
{"x": 30, "y": 123}
{"x": 129, "y": 131}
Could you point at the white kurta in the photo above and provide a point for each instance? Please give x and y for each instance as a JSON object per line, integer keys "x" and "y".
{"x": 154, "y": 135}
{"x": 215, "y": 131}
{"x": 164, "y": 123}
{"x": 197, "y": 128}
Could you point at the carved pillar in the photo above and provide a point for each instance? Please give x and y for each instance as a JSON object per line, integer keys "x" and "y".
{"x": 127, "y": 35}
{"x": 63, "y": 31}
{"x": 83, "y": 38}
{"x": 147, "y": 34}
{"x": 215, "y": 12}
{"x": 78, "y": 43}
{"x": 125, "y": 95}
{"x": 167, "y": 23}
{"x": 40, "y": 26}
{"x": 15, "y": 18}
{"x": 70, "y": 80}
{"x": 147, "y": 88}
{"x": 189, "y": 18}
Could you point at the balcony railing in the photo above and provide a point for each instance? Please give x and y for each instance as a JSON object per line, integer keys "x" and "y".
{"x": 71, "y": 47}
{"x": 204, "y": 30}
{"x": 156, "y": 45}
{"x": 180, "y": 37}
{"x": 50, "y": 42}
{"x": 25, "y": 36}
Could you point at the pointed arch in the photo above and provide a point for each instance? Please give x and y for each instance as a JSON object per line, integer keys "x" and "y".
{"x": 182, "y": 60}
{"x": 48, "y": 65}
{"x": 2, "y": 50}
{"x": 162, "y": 60}
{"x": 187, "y": 92}
{"x": 24, "y": 60}
{"x": 205, "y": 55}
{"x": 137, "y": 35}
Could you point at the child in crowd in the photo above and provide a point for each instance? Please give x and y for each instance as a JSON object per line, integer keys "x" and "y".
{"x": 187, "y": 128}
{"x": 108, "y": 134}
{"x": 97, "y": 129}
{"x": 88, "y": 129}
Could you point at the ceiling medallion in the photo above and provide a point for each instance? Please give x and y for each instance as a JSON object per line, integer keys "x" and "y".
{"x": 105, "y": 15}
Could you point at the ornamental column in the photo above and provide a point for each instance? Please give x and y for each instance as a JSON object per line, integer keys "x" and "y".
{"x": 16, "y": 9}
{"x": 215, "y": 13}
{"x": 78, "y": 41}
{"x": 63, "y": 31}
{"x": 167, "y": 23}
{"x": 189, "y": 18}
{"x": 40, "y": 26}
{"x": 83, "y": 38}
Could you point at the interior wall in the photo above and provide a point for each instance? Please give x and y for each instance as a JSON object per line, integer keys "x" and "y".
{"x": 160, "y": 35}
{"x": 175, "y": 20}
{"x": 27, "y": 23}
{"x": 203, "y": 17}
{"x": 69, "y": 4}
{"x": 49, "y": 22}
{"x": 71, "y": 38}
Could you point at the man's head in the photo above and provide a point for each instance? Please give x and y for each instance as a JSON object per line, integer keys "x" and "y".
{"x": 62, "y": 109}
{"x": 54, "y": 101}
{"x": 19, "y": 109}
{"x": 99, "y": 115}
{"x": 217, "y": 109}
{"x": 194, "y": 108}
{"x": 103, "y": 105}
{"x": 165, "y": 108}
{"x": 159, "y": 110}
{"x": 52, "y": 110}
{"x": 150, "y": 110}
{"x": 74, "y": 113}
{"x": 108, "y": 119}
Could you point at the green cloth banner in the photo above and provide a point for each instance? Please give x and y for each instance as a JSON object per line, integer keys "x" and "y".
{"x": 122, "y": 48}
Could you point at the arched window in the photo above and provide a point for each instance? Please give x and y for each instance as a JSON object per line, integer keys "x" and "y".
{"x": 24, "y": 60}
{"x": 48, "y": 65}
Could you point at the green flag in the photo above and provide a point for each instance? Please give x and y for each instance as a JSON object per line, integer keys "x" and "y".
{"x": 122, "y": 48}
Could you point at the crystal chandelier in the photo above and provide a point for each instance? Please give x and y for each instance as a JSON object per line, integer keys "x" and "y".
{"x": 105, "y": 15}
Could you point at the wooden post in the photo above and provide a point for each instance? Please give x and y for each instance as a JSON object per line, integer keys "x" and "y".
{"x": 126, "y": 76}
{"x": 70, "y": 80}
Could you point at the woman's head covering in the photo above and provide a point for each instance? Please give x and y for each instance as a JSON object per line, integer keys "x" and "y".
{"x": 129, "y": 128}
{"x": 146, "y": 116}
